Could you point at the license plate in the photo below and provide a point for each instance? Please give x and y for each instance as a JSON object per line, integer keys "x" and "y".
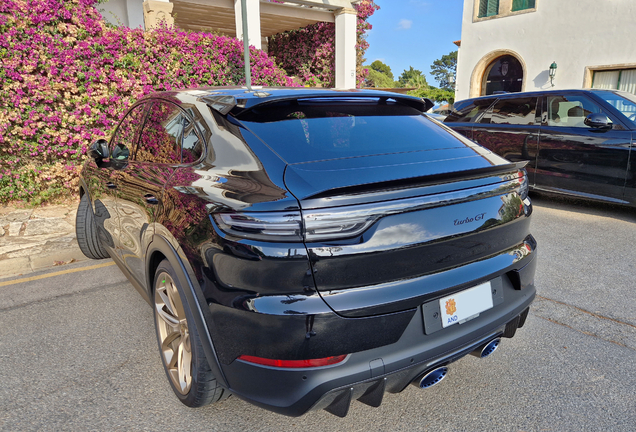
{"x": 466, "y": 304}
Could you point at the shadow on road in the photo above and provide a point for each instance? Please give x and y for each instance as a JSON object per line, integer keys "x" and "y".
{"x": 592, "y": 208}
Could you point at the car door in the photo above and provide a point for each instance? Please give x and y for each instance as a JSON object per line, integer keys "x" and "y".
{"x": 102, "y": 177}
{"x": 577, "y": 159}
{"x": 510, "y": 128}
{"x": 140, "y": 185}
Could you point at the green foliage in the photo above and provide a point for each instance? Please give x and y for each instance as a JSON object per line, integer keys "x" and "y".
{"x": 382, "y": 68}
{"x": 379, "y": 80}
{"x": 444, "y": 69}
{"x": 418, "y": 81}
{"x": 411, "y": 75}
{"x": 434, "y": 94}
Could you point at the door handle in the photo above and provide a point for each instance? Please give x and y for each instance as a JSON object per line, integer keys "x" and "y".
{"x": 150, "y": 199}
{"x": 111, "y": 185}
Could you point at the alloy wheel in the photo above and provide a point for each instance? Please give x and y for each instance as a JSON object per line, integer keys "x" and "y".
{"x": 174, "y": 336}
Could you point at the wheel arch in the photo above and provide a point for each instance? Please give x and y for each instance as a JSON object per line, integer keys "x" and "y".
{"x": 161, "y": 248}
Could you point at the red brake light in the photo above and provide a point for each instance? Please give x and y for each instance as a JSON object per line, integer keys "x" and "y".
{"x": 293, "y": 363}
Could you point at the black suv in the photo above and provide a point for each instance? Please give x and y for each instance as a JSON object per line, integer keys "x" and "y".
{"x": 576, "y": 142}
{"x": 303, "y": 248}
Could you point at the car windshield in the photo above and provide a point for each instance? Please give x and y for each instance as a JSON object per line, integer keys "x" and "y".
{"x": 308, "y": 130}
{"x": 623, "y": 102}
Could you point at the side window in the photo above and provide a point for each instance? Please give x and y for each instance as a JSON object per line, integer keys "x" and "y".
{"x": 570, "y": 111}
{"x": 192, "y": 143}
{"x": 518, "y": 111}
{"x": 469, "y": 113}
{"x": 160, "y": 140}
{"x": 125, "y": 136}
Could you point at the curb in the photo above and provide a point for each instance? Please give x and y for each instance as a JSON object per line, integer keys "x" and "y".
{"x": 37, "y": 239}
{"x": 26, "y": 265}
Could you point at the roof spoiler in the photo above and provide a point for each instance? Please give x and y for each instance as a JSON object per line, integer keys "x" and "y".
{"x": 220, "y": 103}
{"x": 224, "y": 104}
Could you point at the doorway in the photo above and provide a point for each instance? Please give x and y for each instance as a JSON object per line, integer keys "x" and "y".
{"x": 504, "y": 74}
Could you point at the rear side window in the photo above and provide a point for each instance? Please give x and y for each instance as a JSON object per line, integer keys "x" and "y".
{"x": 192, "y": 143}
{"x": 310, "y": 130}
{"x": 160, "y": 140}
{"x": 468, "y": 113}
{"x": 517, "y": 111}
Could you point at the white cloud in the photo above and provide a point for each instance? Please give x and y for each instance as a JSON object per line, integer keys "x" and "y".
{"x": 405, "y": 24}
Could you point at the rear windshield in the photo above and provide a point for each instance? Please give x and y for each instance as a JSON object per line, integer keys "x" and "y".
{"x": 310, "y": 130}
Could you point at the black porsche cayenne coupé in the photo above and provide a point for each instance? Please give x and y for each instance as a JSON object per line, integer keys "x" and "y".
{"x": 303, "y": 248}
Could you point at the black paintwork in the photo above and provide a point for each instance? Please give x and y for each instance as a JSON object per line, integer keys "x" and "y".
{"x": 589, "y": 162}
{"x": 305, "y": 300}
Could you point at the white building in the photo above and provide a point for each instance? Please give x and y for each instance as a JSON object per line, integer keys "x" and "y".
{"x": 509, "y": 45}
{"x": 264, "y": 19}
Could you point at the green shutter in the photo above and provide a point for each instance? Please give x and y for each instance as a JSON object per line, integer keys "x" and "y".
{"x": 518, "y": 5}
{"x": 488, "y": 8}
{"x": 483, "y": 8}
{"x": 493, "y": 7}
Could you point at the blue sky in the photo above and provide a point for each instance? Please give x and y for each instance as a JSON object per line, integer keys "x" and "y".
{"x": 414, "y": 33}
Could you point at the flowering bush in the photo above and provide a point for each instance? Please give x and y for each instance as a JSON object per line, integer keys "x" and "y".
{"x": 309, "y": 53}
{"x": 67, "y": 77}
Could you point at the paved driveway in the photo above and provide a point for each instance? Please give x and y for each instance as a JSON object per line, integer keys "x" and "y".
{"x": 78, "y": 351}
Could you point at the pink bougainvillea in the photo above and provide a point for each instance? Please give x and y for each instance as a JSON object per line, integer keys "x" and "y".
{"x": 309, "y": 53}
{"x": 67, "y": 77}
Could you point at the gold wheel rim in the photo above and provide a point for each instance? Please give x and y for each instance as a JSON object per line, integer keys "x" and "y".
{"x": 173, "y": 332}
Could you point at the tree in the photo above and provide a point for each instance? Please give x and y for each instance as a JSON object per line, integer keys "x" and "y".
{"x": 378, "y": 79}
{"x": 412, "y": 75}
{"x": 418, "y": 82}
{"x": 385, "y": 69}
{"x": 444, "y": 71}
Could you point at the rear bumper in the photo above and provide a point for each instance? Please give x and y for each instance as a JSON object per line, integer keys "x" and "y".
{"x": 367, "y": 374}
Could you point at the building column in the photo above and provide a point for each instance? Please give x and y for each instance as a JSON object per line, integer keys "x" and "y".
{"x": 346, "y": 38}
{"x": 253, "y": 22}
{"x": 135, "y": 14}
{"x": 156, "y": 12}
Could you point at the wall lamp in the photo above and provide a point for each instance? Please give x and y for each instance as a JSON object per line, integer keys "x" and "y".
{"x": 553, "y": 68}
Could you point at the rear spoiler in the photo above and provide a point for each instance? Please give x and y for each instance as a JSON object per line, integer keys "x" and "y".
{"x": 428, "y": 180}
{"x": 225, "y": 104}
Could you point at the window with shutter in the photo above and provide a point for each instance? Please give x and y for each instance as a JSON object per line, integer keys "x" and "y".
{"x": 623, "y": 79}
{"x": 488, "y": 8}
{"x": 518, "y": 5}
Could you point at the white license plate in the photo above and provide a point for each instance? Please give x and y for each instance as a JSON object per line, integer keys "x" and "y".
{"x": 466, "y": 304}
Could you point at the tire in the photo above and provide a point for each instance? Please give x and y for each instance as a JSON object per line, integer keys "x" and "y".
{"x": 86, "y": 231}
{"x": 182, "y": 355}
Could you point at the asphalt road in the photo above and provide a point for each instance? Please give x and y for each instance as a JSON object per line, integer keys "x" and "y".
{"x": 78, "y": 351}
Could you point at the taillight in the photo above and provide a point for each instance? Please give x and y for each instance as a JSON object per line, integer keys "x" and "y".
{"x": 293, "y": 364}
{"x": 338, "y": 223}
{"x": 324, "y": 225}
{"x": 523, "y": 183}
{"x": 289, "y": 226}
{"x": 275, "y": 226}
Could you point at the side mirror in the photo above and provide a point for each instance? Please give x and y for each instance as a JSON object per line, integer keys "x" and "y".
{"x": 120, "y": 153}
{"x": 98, "y": 150}
{"x": 598, "y": 121}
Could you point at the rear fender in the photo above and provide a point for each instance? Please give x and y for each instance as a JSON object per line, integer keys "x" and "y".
{"x": 161, "y": 243}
